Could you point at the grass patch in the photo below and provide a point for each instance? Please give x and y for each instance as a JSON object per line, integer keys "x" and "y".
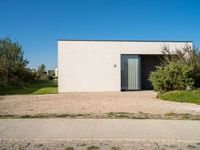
{"x": 188, "y": 96}
{"x": 37, "y": 87}
{"x": 69, "y": 148}
{"x": 111, "y": 115}
{"x": 191, "y": 146}
{"x": 115, "y": 148}
{"x": 83, "y": 144}
{"x": 93, "y": 147}
{"x": 39, "y": 145}
{"x": 198, "y": 143}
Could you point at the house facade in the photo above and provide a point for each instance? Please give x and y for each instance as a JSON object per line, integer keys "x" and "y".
{"x": 109, "y": 65}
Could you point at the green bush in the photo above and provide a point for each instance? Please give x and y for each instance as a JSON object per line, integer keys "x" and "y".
{"x": 171, "y": 76}
{"x": 50, "y": 78}
{"x": 189, "y": 56}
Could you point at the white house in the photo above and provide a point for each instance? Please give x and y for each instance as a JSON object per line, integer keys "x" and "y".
{"x": 109, "y": 65}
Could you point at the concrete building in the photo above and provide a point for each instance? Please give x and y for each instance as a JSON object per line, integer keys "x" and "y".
{"x": 51, "y": 72}
{"x": 56, "y": 72}
{"x": 109, "y": 65}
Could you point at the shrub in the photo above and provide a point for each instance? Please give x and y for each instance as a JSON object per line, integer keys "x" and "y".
{"x": 171, "y": 76}
{"x": 179, "y": 69}
{"x": 187, "y": 55}
{"x": 50, "y": 78}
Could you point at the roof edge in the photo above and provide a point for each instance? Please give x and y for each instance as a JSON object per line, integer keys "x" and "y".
{"x": 188, "y": 41}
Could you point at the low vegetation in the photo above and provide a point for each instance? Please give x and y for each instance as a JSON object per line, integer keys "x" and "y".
{"x": 178, "y": 76}
{"x": 111, "y": 115}
{"x": 69, "y": 148}
{"x": 173, "y": 76}
{"x": 16, "y": 77}
{"x": 179, "y": 70}
{"x": 93, "y": 147}
{"x": 115, "y": 148}
{"x": 36, "y": 87}
{"x": 188, "y": 96}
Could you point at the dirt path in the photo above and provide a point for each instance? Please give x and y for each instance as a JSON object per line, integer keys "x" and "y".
{"x": 102, "y": 102}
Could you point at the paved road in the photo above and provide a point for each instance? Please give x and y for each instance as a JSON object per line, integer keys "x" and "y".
{"x": 99, "y": 129}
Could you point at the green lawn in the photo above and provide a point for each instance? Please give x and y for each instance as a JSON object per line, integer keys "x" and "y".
{"x": 37, "y": 87}
{"x": 188, "y": 96}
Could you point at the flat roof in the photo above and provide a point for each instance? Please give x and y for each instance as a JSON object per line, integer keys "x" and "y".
{"x": 126, "y": 40}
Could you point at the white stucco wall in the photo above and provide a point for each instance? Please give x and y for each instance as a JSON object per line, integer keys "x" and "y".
{"x": 88, "y": 66}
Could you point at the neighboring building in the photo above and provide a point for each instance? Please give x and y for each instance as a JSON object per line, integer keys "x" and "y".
{"x": 51, "y": 72}
{"x": 56, "y": 72}
{"x": 109, "y": 65}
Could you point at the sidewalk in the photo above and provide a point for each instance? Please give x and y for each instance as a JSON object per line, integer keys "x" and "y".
{"x": 99, "y": 129}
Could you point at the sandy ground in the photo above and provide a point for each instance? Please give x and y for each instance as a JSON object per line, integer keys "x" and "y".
{"x": 101, "y": 102}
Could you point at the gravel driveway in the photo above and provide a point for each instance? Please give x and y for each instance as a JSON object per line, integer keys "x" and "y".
{"x": 101, "y": 102}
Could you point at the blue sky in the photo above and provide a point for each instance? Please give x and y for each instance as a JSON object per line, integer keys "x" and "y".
{"x": 37, "y": 24}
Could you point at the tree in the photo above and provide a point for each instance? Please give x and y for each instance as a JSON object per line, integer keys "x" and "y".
{"x": 12, "y": 63}
{"x": 41, "y": 72}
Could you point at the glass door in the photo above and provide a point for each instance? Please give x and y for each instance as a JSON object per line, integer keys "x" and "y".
{"x": 130, "y": 72}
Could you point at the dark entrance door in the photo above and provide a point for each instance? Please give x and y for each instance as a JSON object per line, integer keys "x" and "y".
{"x": 148, "y": 63}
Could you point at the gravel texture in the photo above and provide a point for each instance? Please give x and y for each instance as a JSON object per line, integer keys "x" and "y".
{"x": 100, "y": 102}
{"x": 95, "y": 145}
